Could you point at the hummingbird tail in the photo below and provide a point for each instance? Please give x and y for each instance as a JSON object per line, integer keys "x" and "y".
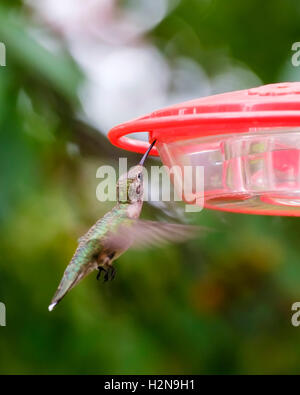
{"x": 62, "y": 290}
{"x": 70, "y": 278}
{"x": 51, "y": 306}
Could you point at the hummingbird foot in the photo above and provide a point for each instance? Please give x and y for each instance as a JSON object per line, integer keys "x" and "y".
{"x": 113, "y": 273}
{"x": 100, "y": 270}
{"x": 106, "y": 276}
{"x": 110, "y": 273}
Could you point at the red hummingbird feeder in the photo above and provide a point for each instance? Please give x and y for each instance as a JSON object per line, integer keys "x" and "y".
{"x": 248, "y": 143}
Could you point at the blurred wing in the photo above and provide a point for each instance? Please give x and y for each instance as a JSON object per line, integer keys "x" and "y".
{"x": 142, "y": 234}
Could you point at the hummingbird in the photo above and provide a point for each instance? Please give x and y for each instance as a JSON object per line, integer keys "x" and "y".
{"x": 116, "y": 232}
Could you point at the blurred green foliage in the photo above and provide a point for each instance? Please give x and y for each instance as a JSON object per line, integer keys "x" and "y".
{"x": 220, "y": 304}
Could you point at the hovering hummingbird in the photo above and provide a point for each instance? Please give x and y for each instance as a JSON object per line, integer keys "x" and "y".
{"x": 117, "y": 231}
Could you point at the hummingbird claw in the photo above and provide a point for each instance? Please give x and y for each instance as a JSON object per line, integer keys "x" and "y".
{"x": 110, "y": 273}
{"x": 113, "y": 273}
{"x": 100, "y": 269}
{"x": 106, "y": 277}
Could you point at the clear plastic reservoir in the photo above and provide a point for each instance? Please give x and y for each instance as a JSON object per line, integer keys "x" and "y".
{"x": 247, "y": 142}
{"x": 255, "y": 172}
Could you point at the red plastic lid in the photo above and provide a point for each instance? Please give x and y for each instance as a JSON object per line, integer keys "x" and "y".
{"x": 275, "y": 105}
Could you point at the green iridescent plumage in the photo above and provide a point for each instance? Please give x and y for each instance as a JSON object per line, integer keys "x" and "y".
{"x": 94, "y": 250}
{"x": 117, "y": 231}
{"x": 89, "y": 248}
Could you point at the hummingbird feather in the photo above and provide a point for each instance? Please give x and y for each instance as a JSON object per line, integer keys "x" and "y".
{"x": 142, "y": 234}
{"x": 117, "y": 231}
{"x": 86, "y": 257}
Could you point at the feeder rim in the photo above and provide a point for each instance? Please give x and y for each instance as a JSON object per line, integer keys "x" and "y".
{"x": 223, "y": 123}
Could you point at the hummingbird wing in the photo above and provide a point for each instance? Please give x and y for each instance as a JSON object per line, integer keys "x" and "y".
{"x": 141, "y": 234}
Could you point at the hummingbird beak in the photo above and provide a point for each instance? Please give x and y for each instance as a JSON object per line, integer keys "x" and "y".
{"x": 146, "y": 154}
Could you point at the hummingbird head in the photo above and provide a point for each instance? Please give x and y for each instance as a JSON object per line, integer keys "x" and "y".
{"x": 130, "y": 185}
